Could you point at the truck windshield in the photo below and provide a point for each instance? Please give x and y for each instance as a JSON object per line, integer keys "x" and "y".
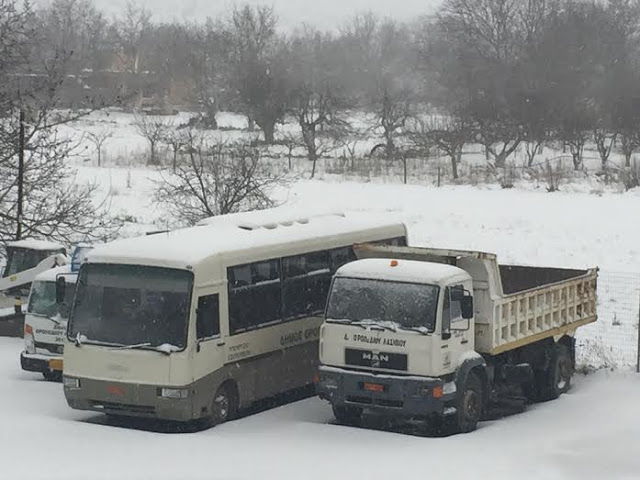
{"x": 407, "y": 305}
{"x": 129, "y": 305}
{"x": 42, "y": 300}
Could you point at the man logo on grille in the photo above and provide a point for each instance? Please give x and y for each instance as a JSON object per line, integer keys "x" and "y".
{"x": 375, "y": 358}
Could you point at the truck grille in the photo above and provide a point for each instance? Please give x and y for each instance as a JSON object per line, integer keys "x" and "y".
{"x": 368, "y": 358}
{"x": 51, "y": 347}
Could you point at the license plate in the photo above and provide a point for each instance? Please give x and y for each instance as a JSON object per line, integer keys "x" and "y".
{"x": 373, "y": 387}
{"x": 55, "y": 364}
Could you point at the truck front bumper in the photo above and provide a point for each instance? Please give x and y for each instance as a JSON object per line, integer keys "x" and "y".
{"x": 35, "y": 362}
{"x": 407, "y": 396}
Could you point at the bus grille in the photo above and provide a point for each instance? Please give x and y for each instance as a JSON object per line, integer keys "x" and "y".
{"x": 123, "y": 408}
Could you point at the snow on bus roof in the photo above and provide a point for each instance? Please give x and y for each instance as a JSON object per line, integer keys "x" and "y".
{"x": 51, "y": 275}
{"x": 35, "y": 245}
{"x": 184, "y": 247}
{"x": 411, "y": 271}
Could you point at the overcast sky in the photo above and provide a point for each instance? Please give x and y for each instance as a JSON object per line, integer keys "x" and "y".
{"x": 322, "y": 13}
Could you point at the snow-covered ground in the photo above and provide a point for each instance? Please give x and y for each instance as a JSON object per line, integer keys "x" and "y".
{"x": 590, "y": 433}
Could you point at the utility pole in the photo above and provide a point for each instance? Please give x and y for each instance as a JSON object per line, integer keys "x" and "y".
{"x": 20, "y": 174}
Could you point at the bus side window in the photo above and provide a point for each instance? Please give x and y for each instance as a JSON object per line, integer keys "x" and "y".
{"x": 306, "y": 283}
{"x": 208, "y": 317}
{"x": 340, "y": 257}
{"x": 255, "y": 295}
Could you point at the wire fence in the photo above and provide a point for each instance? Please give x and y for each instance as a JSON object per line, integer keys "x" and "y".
{"x": 613, "y": 341}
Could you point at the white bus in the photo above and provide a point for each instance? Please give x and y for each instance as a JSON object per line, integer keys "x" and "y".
{"x": 197, "y": 323}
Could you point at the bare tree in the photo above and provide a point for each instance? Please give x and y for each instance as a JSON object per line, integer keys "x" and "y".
{"x": 316, "y": 100}
{"x": 217, "y": 179}
{"x": 38, "y": 195}
{"x": 448, "y": 135}
{"x": 258, "y": 67}
{"x": 98, "y": 139}
{"x": 155, "y": 131}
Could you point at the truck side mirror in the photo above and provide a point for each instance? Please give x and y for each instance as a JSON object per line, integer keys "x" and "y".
{"x": 61, "y": 288}
{"x": 466, "y": 307}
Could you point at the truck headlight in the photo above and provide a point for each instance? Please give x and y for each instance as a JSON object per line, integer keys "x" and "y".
{"x": 71, "y": 383}
{"x": 29, "y": 342}
{"x": 175, "y": 393}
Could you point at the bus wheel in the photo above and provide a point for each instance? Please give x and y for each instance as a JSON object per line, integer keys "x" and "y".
{"x": 347, "y": 415}
{"x": 469, "y": 404}
{"x": 50, "y": 376}
{"x": 225, "y": 404}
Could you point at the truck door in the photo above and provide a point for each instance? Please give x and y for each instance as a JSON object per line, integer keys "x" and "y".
{"x": 456, "y": 331}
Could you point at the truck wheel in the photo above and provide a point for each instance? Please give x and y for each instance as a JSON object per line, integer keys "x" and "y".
{"x": 469, "y": 404}
{"x": 225, "y": 404}
{"x": 50, "y": 376}
{"x": 557, "y": 380}
{"x": 347, "y": 415}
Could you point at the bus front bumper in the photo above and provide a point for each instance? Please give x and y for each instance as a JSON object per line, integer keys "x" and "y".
{"x": 128, "y": 399}
{"x": 383, "y": 393}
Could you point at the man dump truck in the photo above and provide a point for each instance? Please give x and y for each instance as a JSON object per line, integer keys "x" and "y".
{"x": 442, "y": 335}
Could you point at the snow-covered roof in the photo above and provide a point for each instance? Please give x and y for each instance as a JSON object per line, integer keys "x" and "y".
{"x": 241, "y": 232}
{"x": 410, "y": 271}
{"x": 52, "y": 274}
{"x": 35, "y": 245}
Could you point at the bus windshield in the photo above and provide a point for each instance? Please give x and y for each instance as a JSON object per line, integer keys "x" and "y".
{"x": 128, "y": 305}
{"x": 403, "y": 305}
{"x": 42, "y": 300}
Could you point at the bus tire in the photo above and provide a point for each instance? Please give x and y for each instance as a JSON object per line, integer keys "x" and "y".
{"x": 345, "y": 415}
{"x": 557, "y": 379}
{"x": 50, "y": 376}
{"x": 469, "y": 404}
{"x": 225, "y": 404}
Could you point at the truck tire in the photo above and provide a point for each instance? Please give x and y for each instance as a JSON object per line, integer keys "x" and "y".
{"x": 351, "y": 416}
{"x": 557, "y": 379}
{"x": 469, "y": 404}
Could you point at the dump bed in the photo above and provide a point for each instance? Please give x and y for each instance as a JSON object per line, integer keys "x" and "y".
{"x": 514, "y": 305}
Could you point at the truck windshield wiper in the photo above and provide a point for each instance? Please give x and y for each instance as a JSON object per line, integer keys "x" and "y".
{"x": 371, "y": 323}
{"x": 133, "y": 347}
{"x": 420, "y": 330}
{"x": 41, "y": 315}
{"x": 339, "y": 320}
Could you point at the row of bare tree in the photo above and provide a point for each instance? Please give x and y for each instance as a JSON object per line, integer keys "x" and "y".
{"x": 501, "y": 73}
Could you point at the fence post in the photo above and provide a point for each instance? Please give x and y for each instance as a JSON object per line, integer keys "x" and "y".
{"x": 638, "y": 347}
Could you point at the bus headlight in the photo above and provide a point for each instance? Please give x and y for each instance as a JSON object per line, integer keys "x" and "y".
{"x": 71, "y": 383}
{"x": 175, "y": 393}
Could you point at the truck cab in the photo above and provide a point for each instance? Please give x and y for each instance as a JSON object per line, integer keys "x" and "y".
{"x": 45, "y": 324}
{"x": 395, "y": 334}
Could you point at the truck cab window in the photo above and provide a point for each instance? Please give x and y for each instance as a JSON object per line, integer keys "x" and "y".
{"x": 455, "y": 308}
{"x": 446, "y": 312}
{"x": 208, "y": 318}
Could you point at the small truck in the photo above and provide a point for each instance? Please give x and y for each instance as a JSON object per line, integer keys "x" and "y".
{"x": 443, "y": 335}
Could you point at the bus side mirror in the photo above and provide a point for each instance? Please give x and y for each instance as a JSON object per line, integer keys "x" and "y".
{"x": 466, "y": 306}
{"x": 61, "y": 288}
